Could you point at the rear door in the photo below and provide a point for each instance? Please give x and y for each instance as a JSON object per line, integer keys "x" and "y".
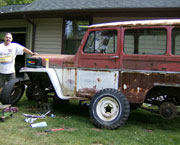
{"x": 146, "y": 60}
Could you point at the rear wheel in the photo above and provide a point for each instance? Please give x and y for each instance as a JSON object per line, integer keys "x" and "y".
{"x": 12, "y": 92}
{"x": 166, "y": 99}
{"x": 109, "y": 109}
{"x": 168, "y": 110}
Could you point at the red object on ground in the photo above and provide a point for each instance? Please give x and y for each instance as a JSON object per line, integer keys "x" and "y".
{"x": 11, "y": 109}
{"x": 55, "y": 129}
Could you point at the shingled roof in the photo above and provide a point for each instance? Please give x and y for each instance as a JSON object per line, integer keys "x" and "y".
{"x": 52, "y": 5}
{"x": 44, "y": 5}
{"x": 12, "y": 8}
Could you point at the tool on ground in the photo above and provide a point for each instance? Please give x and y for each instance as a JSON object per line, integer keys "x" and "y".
{"x": 39, "y": 124}
{"x": 36, "y": 116}
{"x": 60, "y": 129}
{"x": 55, "y": 129}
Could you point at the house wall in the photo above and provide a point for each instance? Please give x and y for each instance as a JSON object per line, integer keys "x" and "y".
{"x": 48, "y": 35}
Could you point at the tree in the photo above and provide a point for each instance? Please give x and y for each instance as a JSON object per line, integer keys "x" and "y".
{"x": 12, "y": 2}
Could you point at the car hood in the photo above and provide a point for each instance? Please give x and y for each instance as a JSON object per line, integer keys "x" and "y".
{"x": 57, "y": 60}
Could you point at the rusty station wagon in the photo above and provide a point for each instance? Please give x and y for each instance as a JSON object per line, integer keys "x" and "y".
{"x": 118, "y": 66}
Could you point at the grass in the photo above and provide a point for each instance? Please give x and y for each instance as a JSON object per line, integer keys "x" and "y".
{"x": 142, "y": 128}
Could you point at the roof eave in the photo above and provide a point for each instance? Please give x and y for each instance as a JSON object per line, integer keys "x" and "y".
{"x": 96, "y": 12}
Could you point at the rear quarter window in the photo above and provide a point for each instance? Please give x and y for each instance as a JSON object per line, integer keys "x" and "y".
{"x": 145, "y": 41}
{"x": 176, "y": 41}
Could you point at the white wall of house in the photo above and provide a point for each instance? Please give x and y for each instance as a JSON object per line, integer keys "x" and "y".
{"x": 48, "y": 35}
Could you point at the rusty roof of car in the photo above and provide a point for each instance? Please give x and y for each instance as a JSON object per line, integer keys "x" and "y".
{"x": 161, "y": 22}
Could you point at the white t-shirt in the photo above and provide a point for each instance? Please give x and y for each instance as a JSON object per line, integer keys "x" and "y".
{"x": 8, "y": 55}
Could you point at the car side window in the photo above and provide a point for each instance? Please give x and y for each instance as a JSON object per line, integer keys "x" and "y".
{"x": 145, "y": 41}
{"x": 101, "y": 42}
{"x": 176, "y": 41}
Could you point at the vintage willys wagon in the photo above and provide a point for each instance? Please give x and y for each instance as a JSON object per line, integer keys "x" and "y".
{"x": 118, "y": 66}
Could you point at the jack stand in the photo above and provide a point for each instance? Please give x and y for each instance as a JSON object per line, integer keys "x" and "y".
{"x": 44, "y": 107}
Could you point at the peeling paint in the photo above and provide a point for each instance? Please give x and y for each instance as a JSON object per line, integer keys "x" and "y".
{"x": 98, "y": 79}
{"x": 139, "y": 83}
{"x": 87, "y": 92}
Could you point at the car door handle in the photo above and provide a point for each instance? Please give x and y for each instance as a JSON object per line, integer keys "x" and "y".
{"x": 114, "y": 57}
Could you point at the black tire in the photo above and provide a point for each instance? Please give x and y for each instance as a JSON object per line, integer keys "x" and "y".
{"x": 12, "y": 92}
{"x": 109, "y": 109}
{"x": 35, "y": 92}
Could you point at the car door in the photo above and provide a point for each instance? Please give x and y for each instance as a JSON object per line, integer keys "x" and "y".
{"x": 98, "y": 62}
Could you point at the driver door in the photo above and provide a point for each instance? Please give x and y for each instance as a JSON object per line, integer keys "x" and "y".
{"x": 98, "y": 62}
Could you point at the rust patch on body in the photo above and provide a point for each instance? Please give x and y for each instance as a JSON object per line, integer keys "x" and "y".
{"x": 98, "y": 79}
{"x": 135, "y": 85}
{"x": 87, "y": 92}
{"x": 68, "y": 64}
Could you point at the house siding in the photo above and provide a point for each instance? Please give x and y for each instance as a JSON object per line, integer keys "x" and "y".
{"x": 48, "y": 35}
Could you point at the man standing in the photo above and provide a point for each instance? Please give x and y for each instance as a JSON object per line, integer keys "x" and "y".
{"x": 8, "y": 52}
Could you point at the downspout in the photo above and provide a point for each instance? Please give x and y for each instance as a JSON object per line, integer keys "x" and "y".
{"x": 33, "y": 31}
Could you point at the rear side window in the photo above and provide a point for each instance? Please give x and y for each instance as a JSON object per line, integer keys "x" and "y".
{"x": 176, "y": 41}
{"x": 145, "y": 41}
{"x": 101, "y": 42}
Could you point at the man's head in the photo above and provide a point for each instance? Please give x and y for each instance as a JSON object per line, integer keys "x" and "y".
{"x": 8, "y": 38}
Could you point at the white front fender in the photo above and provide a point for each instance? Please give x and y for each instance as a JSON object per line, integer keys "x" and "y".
{"x": 53, "y": 78}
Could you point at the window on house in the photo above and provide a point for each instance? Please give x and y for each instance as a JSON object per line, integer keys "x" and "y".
{"x": 145, "y": 41}
{"x": 101, "y": 42}
{"x": 176, "y": 41}
{"x": 73, "y": 33}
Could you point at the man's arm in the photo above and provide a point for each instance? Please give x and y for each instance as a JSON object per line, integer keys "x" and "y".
{"x": 29, "y": 52}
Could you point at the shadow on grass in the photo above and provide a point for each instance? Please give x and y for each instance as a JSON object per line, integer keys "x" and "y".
{"x": 144, "y": 118}
{"x": 139, "y": 118}
{"x": 73, "y": 109}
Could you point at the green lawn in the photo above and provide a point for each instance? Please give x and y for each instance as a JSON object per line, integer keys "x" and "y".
{"x": 142, "y": 128}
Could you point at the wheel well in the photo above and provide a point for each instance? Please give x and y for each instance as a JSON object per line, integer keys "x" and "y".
{"x": 41, "y": 78}
{"x": 173, "y": 93}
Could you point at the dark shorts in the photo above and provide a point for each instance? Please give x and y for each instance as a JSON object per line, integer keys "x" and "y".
{"x": 6, "y": 77}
